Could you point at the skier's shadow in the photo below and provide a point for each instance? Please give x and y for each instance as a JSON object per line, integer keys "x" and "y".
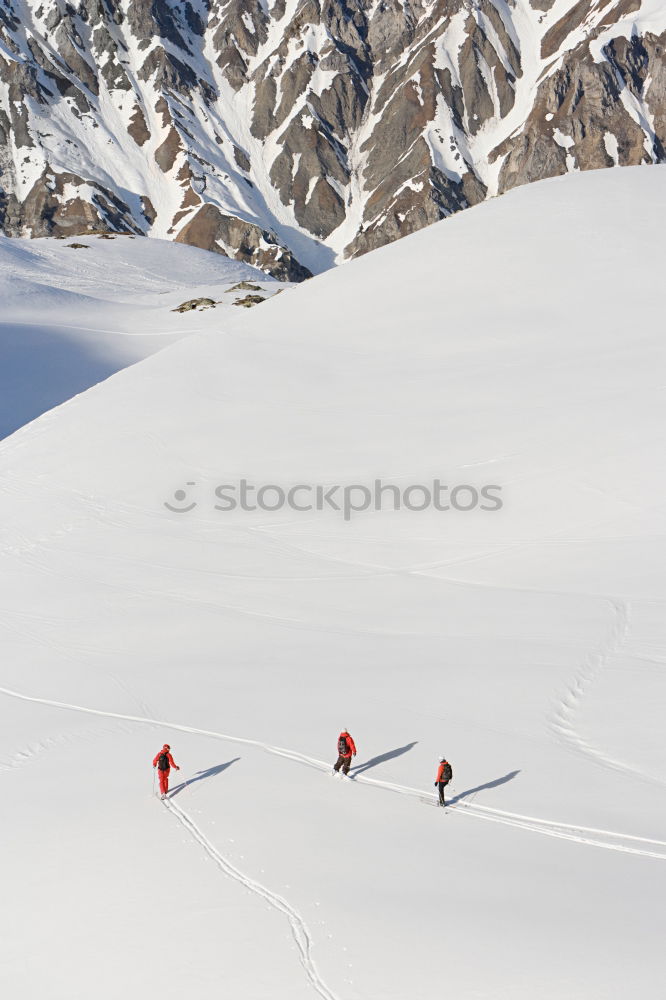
{"x": 374, "y": 761}
{"x": 201, "y": 776}
{"x": 481, "y": 788}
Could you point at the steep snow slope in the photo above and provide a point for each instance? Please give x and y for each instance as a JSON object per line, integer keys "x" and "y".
{"x": 71, "y": 315}
{"x": 519, "y": 345}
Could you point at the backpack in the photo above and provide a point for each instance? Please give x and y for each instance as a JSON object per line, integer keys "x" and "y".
{"x": 447, "y": 773}
{"x": 163, "y": 762}
{"x": 343, "y": 748}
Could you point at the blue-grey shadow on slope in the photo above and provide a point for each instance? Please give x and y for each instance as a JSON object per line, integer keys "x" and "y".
{"x": 374, "y": 761}
{"x": 480, "y": 788}
{"x": 210, "y": 772}
{"x": 41, "y": 367}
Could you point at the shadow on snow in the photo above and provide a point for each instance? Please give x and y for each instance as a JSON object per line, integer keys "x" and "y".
{"x": 210, "y": 772}
{"x": 374, "y": 761}
{"x": 481, "y": 788}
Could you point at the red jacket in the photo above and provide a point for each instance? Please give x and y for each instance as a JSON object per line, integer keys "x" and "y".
{"x": 172, "y": 763}
{"x": 351, "y": 748}
{"x": 440, "y": 771}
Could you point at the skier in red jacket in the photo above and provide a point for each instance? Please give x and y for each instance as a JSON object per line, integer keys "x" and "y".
{"x": 444, "y": 775}
{"x": 346, "y": 749}
{"x": 164, "y": 762}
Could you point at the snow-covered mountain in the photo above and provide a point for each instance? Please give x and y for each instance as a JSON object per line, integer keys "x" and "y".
{"x": 293, "y": 133}
{"x": 519, "y": 343}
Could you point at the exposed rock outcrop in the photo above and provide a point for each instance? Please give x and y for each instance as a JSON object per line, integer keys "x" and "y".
{"x": 194, "y": 304}
{"x": 225, "y": 234}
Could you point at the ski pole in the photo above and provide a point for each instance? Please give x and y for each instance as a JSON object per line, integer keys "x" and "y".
{"x": 154, "y": 775}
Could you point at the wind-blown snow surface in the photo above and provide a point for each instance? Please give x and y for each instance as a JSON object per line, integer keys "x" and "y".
{"x": 527, "y": 644}
{"x": 72, "y": 315}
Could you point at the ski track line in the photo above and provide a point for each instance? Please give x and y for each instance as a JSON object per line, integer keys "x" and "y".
{"x": 144, "y": 720}
{"x": 562, "y": 720}
{"x": 299, "y": 931}
{"x": 550, "y": 828}
{"x": 546, "y": 827}
{"x": 552, "y": 831}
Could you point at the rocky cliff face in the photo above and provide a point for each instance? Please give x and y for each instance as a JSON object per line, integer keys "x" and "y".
{"x": 291, "y": 133}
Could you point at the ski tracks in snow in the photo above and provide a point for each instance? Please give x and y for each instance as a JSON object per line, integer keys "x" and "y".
{"x": 562, "y": 721}
{"x": 299, "y": 930}
{"x": 608, "y": 840}
{"x": 563, "y": 717}
{"x": 605, "y": 839}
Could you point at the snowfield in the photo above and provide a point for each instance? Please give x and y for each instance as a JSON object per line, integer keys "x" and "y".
{"x": 519, "y": 344}
{"x": 73, "y": 312}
